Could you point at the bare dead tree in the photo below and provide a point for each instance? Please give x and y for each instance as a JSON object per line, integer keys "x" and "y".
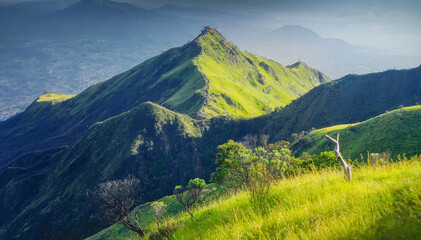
{"x": 159, "y": 208}
{"x": 344, "y": 165}
{"x": 187, "y": 197}
{"x": 264, "y": 139}
{"x": 115, "y": 199}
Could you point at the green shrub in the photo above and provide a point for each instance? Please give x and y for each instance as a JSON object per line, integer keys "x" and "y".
{"x": 189, "y": 196}
{"x": 196, "y": 183}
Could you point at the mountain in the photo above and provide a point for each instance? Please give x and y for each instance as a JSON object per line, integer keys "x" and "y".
{"x": 207, "y": 77}
{"x": 149, "y": 141}
{"x": 351, "y": 99}
{"x": 303, "y": 36}
{"x": 28, "y": 9}
{"x": 197, "y": 13}
{"x": 63, "y": 46}
{"x": 335, "y": 57}
{"x": 104, "y": 18}
{"x": 396, "y": 132}
{"x": 160, "y": 121}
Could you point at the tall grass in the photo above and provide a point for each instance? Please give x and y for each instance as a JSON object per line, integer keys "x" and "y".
{"x": 381, "y": 202}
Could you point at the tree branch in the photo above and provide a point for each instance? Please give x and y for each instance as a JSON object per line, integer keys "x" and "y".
{"x": 344, "y": 165}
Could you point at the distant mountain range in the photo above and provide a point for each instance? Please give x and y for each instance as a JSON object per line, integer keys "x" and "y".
{"x": 97, "y": 19}
{"x": 63, "y": 46}
{"x": 335, "y": 57}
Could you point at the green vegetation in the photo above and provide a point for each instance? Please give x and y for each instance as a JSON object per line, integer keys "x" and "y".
{"x": 148, "y": 220}
{"x": 381, "y": 202}
{"x": 351, "y": 99}
{"x": 188, "y": 197}
{"x": 244, "y": 85}
{"x": 162, "y": 122}
{"x": 208, "y": 77}
{"x": 396, "y": 132}
{"x": 54, "y": 97}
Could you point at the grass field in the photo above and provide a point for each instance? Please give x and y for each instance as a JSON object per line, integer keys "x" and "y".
{"x": 381, "y": 202}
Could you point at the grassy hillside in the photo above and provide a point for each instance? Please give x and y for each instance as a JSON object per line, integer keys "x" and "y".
{"x": 160, "y": 147}
{"x": 54, "y": 97}
{"x": 153, "y": 143}
{"x": 205, "y": 78}
{"x": 398, "y": 132}
{"x": 173, "y": 208}
{"x": 242, "y": 84}
{"x": 351, "y": 99}
{"x": 381, "y": 202}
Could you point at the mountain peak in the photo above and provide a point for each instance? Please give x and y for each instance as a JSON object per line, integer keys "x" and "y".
{"x": 211, "y": 40}
{"x": 298, "y": 64}
{"x": 209, "y": 31}
{"x": 95, "y": 1}
{"x": 294, "y": 30}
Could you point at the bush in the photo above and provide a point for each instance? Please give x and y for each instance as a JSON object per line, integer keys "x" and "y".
{"x": 196, "y": 183}
{"x": 189, "y": 196}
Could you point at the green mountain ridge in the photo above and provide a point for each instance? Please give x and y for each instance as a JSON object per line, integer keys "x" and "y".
{"x": 353, "y": 98}
{"x": 205, "y": 78}
{"x": 396, "y": 132}
{"x": 149, "y": 141}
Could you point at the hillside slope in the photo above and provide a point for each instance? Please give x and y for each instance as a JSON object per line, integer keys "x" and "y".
{"x": 398, "y": 132}
{"x": 351, "y": 99}
{"x": 45, "y": 191}
{"x": 381, "y": 202}
{"x": 205, "y": 78}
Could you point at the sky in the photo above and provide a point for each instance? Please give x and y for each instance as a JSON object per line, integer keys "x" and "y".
{"x": 384, "y": 24}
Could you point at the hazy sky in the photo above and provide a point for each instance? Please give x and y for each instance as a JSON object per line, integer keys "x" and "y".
{"x": 388, "y": 24}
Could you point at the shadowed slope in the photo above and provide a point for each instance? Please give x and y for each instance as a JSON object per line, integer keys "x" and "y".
{"x": 351, "y": 99}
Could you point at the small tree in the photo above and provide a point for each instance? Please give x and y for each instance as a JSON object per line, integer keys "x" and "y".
{"x": 230, "y": 162}
{"x": 189, "y": 196}
{"x": 115, "y": 199}
{"x": 159, "y": 208}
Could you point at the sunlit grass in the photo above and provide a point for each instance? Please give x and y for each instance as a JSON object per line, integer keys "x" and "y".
{"x": 243, "y": 85}
{"x": 380, "y": 202}
{"x": 398, "y": 132}
{"x": 54, "y": 97}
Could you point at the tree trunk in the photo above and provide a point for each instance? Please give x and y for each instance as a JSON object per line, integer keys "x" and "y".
{"x": 345, "y": 166}
{"x": 140, "y": 234}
